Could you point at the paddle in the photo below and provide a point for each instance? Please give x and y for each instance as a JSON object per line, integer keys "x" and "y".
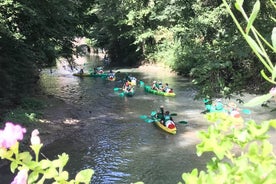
{"x": 122, "y": 94}
{"x": 146, "y": 119}
{"x": 246, "y": 111}
{"x": 117, "y": 89}
{"x": 182, "y": 122}
{"x": 141, "y": 83}
{"x": 149, "y": 120}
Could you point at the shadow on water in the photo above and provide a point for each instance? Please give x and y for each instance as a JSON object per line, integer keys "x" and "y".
{"x": 114, "y": 142}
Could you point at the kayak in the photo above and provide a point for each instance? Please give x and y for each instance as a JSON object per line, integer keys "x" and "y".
{"x": 232, "y": 114}
{"x": 171, "y": 130}
{"x": 149, "y": 90}
{"x": 111, "y": 78}
{"x": 129, "y": 93}
{"x": 82, "y": 74}
{"x": 169, "y": 127}
{"x": 103, "y": 75}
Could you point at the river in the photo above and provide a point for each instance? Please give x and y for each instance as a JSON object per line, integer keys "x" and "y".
{"x": 119, "y": 146}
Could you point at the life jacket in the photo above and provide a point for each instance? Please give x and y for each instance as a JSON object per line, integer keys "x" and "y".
{"x": 235, "y": 114}
{"x": 170, "y": 124}
{"x": 167, "y": 117}
{"x": 219, "y": 106}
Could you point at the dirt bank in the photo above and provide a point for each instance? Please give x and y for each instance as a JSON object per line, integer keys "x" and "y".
{"x": 59, "y": 120}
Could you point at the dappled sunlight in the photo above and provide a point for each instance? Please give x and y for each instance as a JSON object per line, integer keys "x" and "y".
{"x": 187, "y": 138}
{"x": 144, "y": 148}
{"x": 107, "y": 115}
{"x": 68, "y": 121}
{"x": 71, "y": 121}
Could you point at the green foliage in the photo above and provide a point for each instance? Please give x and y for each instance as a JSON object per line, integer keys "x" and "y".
{"x": 39, "y": 171}
{"x": 28, "y": 112}
{"x": 32, "y": 36}
{"x": 242, "y": 152}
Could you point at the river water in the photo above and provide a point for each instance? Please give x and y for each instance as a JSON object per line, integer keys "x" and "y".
{"x": 119, "y": 146}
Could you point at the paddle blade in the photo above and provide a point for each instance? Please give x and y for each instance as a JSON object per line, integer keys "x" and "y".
{"x": 122, "y": 94}
{"x": 173, "y": 114}
{"x": 183, "y": 122}
{"x": 142, "y": 83}
{"x": 117, "y": 89}
{"x": 143, "y": 117}
{"x": 246, "y": 111}
{"x": 149, "y": 120}
{"x": 146, "y": 119}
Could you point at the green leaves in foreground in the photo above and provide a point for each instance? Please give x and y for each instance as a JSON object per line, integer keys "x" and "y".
{"x": 241, "y": 154}
{"x": 258, "y": 100}
{"x": 84, "y": 176}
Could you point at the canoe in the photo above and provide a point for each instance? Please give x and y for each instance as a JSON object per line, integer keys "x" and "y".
{"x": 149, "y": 90}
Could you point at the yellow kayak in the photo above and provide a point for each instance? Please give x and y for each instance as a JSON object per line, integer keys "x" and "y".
{"x": 170, "y": 129}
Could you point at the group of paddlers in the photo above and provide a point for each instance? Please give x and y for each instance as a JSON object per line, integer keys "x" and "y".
{"x": 158, "y": 86}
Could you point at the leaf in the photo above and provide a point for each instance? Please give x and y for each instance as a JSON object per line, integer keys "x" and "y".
{"x": 50, "y": 173}
{"x": 273, "y": 37}
{"x": 33, "y": 177}
{"x": 64, "y": 175}
{"x": 13, "y": 166}
{"x": 84, "y": 176}
{"x": 25, "y": 156}
{"x": 254, "y": 45}
{"x": 258, "y": 100}
{"x": 273, "y": 123}
{"x": 239, "y": 4}
{"x": 44, "y": 164}
{"x": 253, "y": 16}
{"x": 267, "y": 148}
{"x": 63, "y": 159}
{"x": 190, "y": 178}
{"x": 266, "y": 77}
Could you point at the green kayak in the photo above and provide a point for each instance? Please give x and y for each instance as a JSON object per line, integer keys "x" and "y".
{"x": 149, "y": 90}
{"x": 103, "y": 75}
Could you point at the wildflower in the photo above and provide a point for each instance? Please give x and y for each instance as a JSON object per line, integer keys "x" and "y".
{"x": 21, "y": 177}
{"x": 11, "y": 134}
{"x": 35, "y": 138}
{"x": 273, "y": 91}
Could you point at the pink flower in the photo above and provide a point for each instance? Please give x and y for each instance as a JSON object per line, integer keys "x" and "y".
{"x": 273, "y": 91}
{"x": 11, "y": 134}
{"x": 21, "y": 177}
